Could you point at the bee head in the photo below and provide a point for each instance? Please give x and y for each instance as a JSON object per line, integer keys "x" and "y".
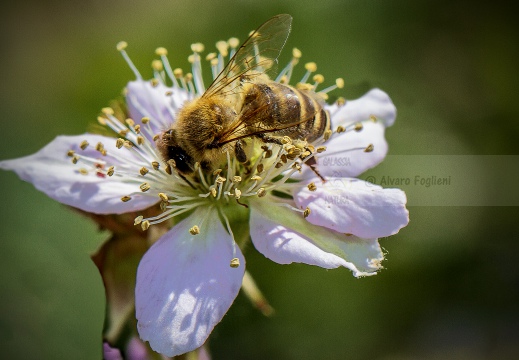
{"x": 170, "y": 149}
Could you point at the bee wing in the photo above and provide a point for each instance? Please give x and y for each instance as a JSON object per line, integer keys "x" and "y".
{"x": 255, "y": 56}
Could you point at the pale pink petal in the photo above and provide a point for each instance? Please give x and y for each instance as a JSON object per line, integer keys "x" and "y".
{"x": 51, "y": 171}
{"x": 345, "y": 155}
{"x": 374, "y": 103}
{"x": 185, "y": 285}
{"x": 283, "y": 236}
{"x": 160, "y": 103}
{"x": 355, "y": 207}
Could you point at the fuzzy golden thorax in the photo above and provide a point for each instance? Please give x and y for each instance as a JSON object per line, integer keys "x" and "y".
{"x": 196, "y": 135}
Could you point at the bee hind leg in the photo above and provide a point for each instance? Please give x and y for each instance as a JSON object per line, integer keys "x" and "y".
{"x": 311, "y": 164}
{"x": 269, "y": 139}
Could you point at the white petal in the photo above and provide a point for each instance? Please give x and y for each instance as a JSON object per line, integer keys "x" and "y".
{"x": 160, "y": 103}
{"x": 355, "y": 207}
{"x": 51, "y": 171}
{"x": 185, "y": 285}
{"x": 345, "y": 156}
{"x": 375, "y": 102}
{"x": 285, "y": 237}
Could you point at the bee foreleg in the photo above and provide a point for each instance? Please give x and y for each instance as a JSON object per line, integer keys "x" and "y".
{"x": 239, "y": 152}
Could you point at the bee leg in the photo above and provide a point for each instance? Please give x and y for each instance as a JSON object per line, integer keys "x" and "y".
{"x": 269, "y": 139}
{"x": 311, "y": 164}
{"x": 239, "y": 152}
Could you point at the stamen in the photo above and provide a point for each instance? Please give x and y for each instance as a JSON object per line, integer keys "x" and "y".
{"x": 195, "y": 230}
{"x": 121, "y": 46}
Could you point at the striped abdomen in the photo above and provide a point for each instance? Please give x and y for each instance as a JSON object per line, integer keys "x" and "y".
{"x": 285, "y": 111}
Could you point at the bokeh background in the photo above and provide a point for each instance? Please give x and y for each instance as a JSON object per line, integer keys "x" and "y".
{"x": 450, "y": 289}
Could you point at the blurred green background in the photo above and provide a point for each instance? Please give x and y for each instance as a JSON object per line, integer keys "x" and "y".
{"x": 451, "y": 285}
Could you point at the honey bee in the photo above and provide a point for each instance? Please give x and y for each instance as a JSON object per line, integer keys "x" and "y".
{"x": 243, "y": 105}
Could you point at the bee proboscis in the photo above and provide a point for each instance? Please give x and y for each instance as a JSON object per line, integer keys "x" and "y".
{"x": 243, "y": 105}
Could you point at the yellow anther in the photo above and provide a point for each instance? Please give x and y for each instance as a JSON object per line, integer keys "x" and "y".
{"x": 155, "y": 165}
{"x": 341, "y": 101}
{"x": 318, "y": 78}
{"x": 75, "y": 159}
{"x": 296, "y": 53}
{"x": 110, "y": 171}
{"x": 306, "y": 212}
{"x": 125, "y": 198}
{"x": 311, "y": 66}
{"x": 237, "y": 193}
{"x": 312, "y": 187}
{"x": 284, "y": 79}
{"x": 259, "y": 168}
{"x": 321, "y": 149}
{"x": 178, "y": 73}
{"x": 157, "y": 65}
{"x": 83, "y": 171}
{"x": 128, "y": 144}
{"x": 84, "y": 144}
{"x": 101, "y": 120}
{"x": 304, "y": 86}
{"x": 124, "y": 132}
{"x": 369, "y": 148}
{"x": 256, "y": 178}
{"x": 189, "y": 77}
{"x": 220, "y": 180}
{"x": 145, "y": 225}
{"x": 233, "y": 42}
{"x": 145, "y": 120}
{"x": 323, "y": 96}
{"x": 286, "y": 140}
{"x": 137, "y": 129}
{"x": 119, "y": 143}
{"x": 236, "y": 179}
{"x": 297, "y": 167}
{"x": 107, "y": 111}
{"x": 154, "y": 82}
{"x": 163, "y": 197}
{"x": 358, "y": 127}
{"x": 161, "y": 51}
{"x": 235, "y": 262}
{"x": 311, "y": 148}
{"x": 197, "y": 47}
{"x": 143, "y": 171}
{"x": 222, "y": 47}
{"x": 327, "y": 135}
{"x": 168, "y": 169}
{"x": 339, "y": 82}
{"x": 195, "y": 230}
{"x": 138, "y": 220}
{"x": 217, "y": 172}
{"x": 210, "y": 56}
{"x": 71, "y": 153}
{"x": 214, "y": 62}
{"x": 261, "y": 192}
{"x": 191, "y": 59}
{"x": 214, "y": 192}
{"x": 99, "y": 146}
{"x": 145, "y": 187}
{"x": 340, "y": 129}
{"x": 156, "y": 137}
{"x": 373, "y": 118}
{"x": 121, "y": 45}
{"x": 140, "y": 139}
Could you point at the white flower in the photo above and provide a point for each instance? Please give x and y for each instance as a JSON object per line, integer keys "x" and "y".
{"x": 189, "y": 278}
